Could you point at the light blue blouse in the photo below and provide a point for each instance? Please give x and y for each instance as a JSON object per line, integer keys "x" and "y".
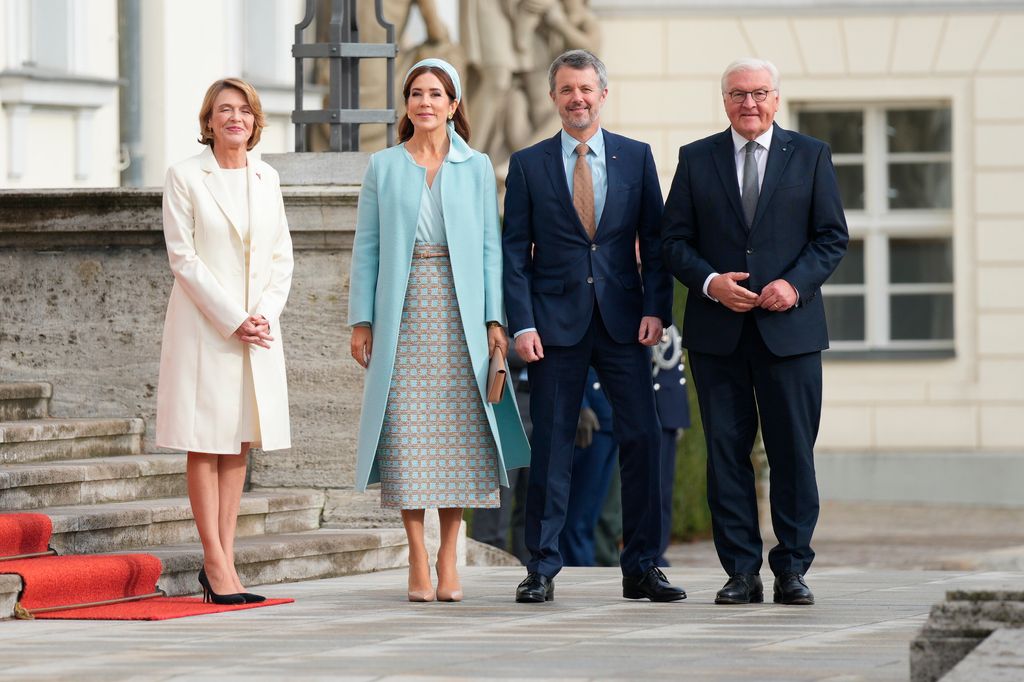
{"x": 430, "y": 222}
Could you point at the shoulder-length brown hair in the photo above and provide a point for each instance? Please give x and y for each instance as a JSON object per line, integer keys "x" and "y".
{"x": 259, "y": 121}
{"x": 461, "y": 121}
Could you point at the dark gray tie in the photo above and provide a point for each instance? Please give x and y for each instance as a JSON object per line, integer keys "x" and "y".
{"x": 750, "y": 188}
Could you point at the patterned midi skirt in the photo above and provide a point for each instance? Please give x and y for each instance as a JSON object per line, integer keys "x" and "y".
{"x": 436, "y": 449}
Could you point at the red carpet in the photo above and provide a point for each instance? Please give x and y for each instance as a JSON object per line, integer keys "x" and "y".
{"x": 66, "y": 582}
{"x": 160, "y": 608}
{"x": 24, "y": 534}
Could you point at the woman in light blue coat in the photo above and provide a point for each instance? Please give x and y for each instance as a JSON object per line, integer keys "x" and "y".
{"x": 426, "y": 309}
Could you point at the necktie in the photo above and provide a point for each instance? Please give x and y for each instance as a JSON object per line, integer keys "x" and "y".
{"x": 583, "y": 190}
{"x": 750, "y": 188}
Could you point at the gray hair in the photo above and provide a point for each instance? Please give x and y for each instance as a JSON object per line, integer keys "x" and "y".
{"x": 578, "y": 59}
{"x": 751, "y": 64}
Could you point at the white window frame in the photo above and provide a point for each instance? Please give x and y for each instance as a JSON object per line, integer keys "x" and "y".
{"x": 875, "y": 225}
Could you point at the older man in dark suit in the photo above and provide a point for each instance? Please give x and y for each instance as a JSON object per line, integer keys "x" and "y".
{"x": 575, "y": 205}
{"x": 753, "y": 226}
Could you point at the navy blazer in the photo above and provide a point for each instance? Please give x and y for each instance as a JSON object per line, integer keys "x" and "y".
{"x": 554, "y": 274}
{"x": 798, "y": 234}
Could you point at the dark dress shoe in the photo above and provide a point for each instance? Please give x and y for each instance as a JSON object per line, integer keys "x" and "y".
{"x": 790, "y": 588}
{"x": 535, "y": 589}
{"x": 742, "y": 588}
{"x": 651, "y": 585}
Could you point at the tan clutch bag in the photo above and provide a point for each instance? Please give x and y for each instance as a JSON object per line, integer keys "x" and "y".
{"x": 496, "y": 377}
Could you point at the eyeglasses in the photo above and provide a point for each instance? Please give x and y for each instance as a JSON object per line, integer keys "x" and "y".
{"x": 740, "y": 96}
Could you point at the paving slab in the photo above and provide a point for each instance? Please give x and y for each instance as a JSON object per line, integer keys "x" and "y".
{"x": 362, "y": 628}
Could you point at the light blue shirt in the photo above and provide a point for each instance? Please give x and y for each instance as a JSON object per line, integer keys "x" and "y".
{"x": 430, "y": 222}
{"x": 598, "y": 167}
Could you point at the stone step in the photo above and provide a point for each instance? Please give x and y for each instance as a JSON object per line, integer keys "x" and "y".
{"x": 47, "y": 440}
{"x": 10, "y": 588}
{"x": 125, "y": 526}
{"x": 95, "y": 480}
{"x": 24, "y": 400}
{"x": 290, "y": 557}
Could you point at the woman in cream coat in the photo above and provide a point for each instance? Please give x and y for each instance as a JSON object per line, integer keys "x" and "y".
{"x": 222, "y": 382}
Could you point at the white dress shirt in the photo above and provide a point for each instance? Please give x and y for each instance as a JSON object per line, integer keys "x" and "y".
{"x": 764, "y": 143}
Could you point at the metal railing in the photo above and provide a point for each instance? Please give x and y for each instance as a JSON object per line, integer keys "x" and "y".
{"x": 343, "y": 50}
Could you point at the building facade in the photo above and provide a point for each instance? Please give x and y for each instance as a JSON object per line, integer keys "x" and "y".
{"x": 66, "y": 63}
{"x": 921, "y": 102}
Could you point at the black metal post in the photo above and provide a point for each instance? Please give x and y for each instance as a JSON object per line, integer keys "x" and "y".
{"x": 344, "y": 51}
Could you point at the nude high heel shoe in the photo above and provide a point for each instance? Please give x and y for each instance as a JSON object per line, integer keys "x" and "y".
{"x": 449, "y": 595}
{"x": 420, "y": 595}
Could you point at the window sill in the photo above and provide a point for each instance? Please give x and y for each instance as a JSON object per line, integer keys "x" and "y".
{"x": 52, "y": 89}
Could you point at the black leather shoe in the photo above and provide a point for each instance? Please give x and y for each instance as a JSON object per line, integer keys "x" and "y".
{"x": 790, "y": 588}
{"x": 742, "y": 588}
{"x": 651, "y": 585}
{"x": 535, "y": 589}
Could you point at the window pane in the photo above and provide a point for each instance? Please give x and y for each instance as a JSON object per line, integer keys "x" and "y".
{"x": 920, "y": 261}
{"x": 843, "y": 130}
{"x": 851, "y": 186}
{"x": 917, "y": 317}
{"x": 920, "y": 185}
{"x": 845, "y": 315}
{"x": 851, "y": 268}
{"x": 260, "y": 35}
{"x": 50, "y": 35}
{"x": 919, "y": 130}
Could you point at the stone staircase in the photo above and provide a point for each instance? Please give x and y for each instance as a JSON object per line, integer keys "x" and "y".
{"x": 104, "y": 494}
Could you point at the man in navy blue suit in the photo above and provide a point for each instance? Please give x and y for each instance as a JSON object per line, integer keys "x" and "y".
{"x": 753, "y": 226}
{"x": 575, "y": 204}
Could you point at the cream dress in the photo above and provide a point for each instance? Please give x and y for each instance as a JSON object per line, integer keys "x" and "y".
{"x": 249, "y": 420}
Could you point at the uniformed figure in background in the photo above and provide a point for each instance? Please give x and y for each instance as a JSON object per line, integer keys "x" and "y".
{"x": 674, "y": 412}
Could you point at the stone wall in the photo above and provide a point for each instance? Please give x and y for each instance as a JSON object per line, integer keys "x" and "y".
{"x": 84, "y": 283}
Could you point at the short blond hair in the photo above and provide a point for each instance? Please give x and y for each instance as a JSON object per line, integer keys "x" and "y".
{"x": 251, "y": 96}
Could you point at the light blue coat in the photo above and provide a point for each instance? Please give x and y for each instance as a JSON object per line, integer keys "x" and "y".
{"x": 389, "y": 205}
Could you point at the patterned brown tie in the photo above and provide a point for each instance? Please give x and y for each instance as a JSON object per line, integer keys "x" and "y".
{"x": 583, "y": 190}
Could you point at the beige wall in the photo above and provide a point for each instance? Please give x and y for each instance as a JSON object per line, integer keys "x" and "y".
{"x": 185, "y": 45}
{"x": 188, "y": 44}
{"x": 60, "y": 132}
{"x": 664, "y": 89}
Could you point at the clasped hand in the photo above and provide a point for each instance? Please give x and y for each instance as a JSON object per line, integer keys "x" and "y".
{"x": 255, "y": 330}
{"x": 777, "y": 296}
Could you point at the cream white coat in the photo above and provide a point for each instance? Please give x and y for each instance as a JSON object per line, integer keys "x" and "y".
{"x": 199, "y": 397}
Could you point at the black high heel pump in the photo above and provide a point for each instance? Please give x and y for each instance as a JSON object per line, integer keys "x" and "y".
{"x": 209, "y": 596}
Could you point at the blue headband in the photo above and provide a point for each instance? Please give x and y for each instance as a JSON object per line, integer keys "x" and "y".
{"x": 444, "y": 66}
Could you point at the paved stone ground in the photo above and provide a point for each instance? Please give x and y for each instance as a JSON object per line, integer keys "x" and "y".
{"x": 900, "y": 536}
{"x": 361, "y": 628}
{"x": 871, "y": 579}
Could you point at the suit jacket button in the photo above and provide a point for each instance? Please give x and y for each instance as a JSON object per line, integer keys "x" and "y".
{"x": 593, "y": 247}
{"x": 590, "y": 280}
{"x": 750, "y": 251}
